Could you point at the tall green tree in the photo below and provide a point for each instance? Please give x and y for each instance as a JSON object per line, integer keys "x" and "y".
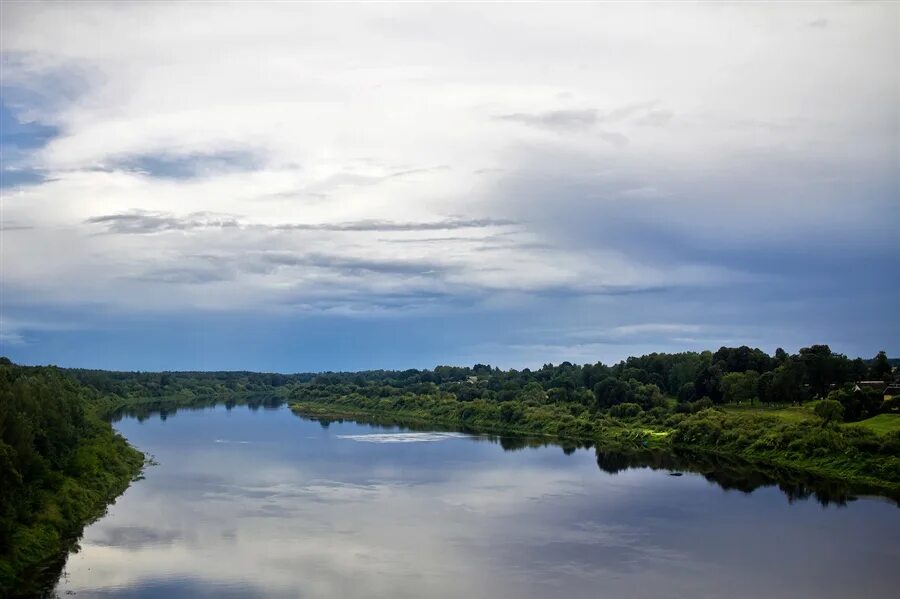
{"x": 881, "y": 368}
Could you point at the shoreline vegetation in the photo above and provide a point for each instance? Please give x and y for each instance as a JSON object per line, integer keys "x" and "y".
{"x": 816, "y": 412}
{"x": 61, "y": 466}
{"x": 847, "y": 474}
{"x": 739, "y": 416}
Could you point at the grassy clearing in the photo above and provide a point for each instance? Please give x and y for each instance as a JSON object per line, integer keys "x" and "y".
{"x": 881, "y": 424}
{"x": 792, "y": 414}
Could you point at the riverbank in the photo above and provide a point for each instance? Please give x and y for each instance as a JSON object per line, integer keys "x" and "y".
{"x": 850, "y": 456}
{"x": 65, "y": 467}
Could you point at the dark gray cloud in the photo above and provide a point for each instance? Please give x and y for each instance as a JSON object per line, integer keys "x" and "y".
{"x": 449, "y": 239}
{"x": 350, "y": 301}
{"x": 143, "y": 222}
{"x": 387, "y": 225}
{"x": 353, "y": 265}
{"x": 14, "y": 227}
{"x": 199, "y": 269}
{"x": 189, "y": 274}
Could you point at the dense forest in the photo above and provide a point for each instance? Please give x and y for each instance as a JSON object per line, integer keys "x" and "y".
{"x": 60, "y": 465}
{"x": 816, "y": 412}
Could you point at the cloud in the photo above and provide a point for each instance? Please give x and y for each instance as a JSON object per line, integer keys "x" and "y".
{"x": 554, "y": 119}
{"x": 656, "y": 327}
{"x": 11, "y": 338}
{"x": 14, "y": 227}
{"x": 354, "y": 264}
{"x": 255, "y": 165}
{"x": 585, "y": 118}
{"x": 616, "y": 139}
{"x": 385, "y": 226}
{"x": 189, "y": 275}
{"x": 656, "y": 118}
{"x": 144, "y": 222}
{"x": 200, "y": 269}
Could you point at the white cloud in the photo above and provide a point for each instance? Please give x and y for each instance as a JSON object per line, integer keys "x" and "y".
{"x": 327, "y": 115}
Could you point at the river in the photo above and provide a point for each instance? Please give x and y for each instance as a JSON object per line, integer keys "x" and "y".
{"x": 263, "y": 503}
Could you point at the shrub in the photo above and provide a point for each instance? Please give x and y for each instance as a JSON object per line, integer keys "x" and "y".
{"x": 625, "y": 410}
{"x": 829, "y": 410}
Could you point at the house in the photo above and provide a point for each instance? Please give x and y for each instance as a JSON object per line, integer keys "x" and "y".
{"x": 876, "y": 385}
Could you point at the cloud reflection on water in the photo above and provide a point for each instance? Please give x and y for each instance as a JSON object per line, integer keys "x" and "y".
{"x": 307, "y": 514}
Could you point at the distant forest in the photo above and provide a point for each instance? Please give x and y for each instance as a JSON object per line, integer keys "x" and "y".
{"x": 680, "y": 382}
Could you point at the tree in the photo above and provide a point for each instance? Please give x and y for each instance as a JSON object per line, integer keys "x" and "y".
{"x": 857, "y": 405}
{"x": 829, "y": 410}
{"x": 683, "y": 371}
{"x": 709, "y": 381}
{"x": 881, "y": 368}
{"x": 787, "y": 384}
{"x": 824, "y": 368}
{"x": 611, "y": 391}
{"x": 781, "y": 356}
{"x": 764, "y": 387}
{"x": 739, "y": 387}
{"x": 687, "y": 393}
{"x": 858, "y": 370}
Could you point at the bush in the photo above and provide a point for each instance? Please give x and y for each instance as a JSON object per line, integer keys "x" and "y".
{"x": 625, "y": 410}
{"x": 829, "y": 410}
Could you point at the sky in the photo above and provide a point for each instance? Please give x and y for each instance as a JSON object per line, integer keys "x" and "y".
{"x": 302, "y": 187}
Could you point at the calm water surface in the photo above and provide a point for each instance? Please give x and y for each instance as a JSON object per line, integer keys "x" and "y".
{"x": 262, "y": 503}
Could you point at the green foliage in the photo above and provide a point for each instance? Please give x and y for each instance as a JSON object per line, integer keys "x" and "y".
{"x": 858, "y": 404}
{"x": 829, "y": 410}
{"x": 843, "y": 453}
{"x": 739, "y": 387}
{"x": 59, "y": 465}
{"x": 881, "y": 367}
{"x": 883, "y": 424}
{"x": 625, "y": 410}
{"x": 823, "y": 368}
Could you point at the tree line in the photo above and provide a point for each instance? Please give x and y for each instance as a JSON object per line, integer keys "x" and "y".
{"x": 680, "y": 382}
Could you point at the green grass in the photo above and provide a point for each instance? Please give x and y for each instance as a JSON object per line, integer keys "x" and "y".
{"x": 793, "y": 414}
{"x": 881, "y": 424}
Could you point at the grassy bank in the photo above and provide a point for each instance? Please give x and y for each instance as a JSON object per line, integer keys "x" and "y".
{"x": 790, "y": 441}
{"x": 850, "y": 453}
{"x": 883, "y": 424}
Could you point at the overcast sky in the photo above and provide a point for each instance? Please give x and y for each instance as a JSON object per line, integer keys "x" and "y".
{"x": 289, "y": 187}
